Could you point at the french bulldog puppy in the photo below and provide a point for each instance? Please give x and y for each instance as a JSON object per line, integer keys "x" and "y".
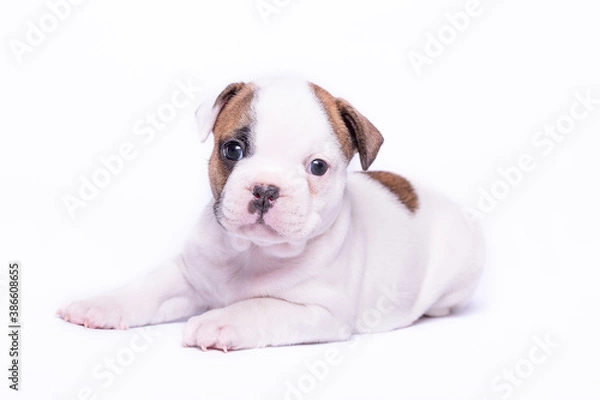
{"x": 293, "y": 248}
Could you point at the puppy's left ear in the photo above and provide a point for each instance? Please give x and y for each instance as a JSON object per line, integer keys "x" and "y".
{"x": 208, "y": 112}
{"x": 366, "y": 138}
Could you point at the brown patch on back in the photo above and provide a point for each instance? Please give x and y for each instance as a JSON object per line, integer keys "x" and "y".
{"x": 236, "y": 113}
{"x": 399, "y": 186}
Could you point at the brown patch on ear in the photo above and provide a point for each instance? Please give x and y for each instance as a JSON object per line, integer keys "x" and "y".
{"x": 235, "y": 108}
{"x": 328, "y": 102}
{"x": 399, "y": 186}
{"x": 353, "y": 130}
{"x": 366, "y": 137}
{"x": 235, "y": 114}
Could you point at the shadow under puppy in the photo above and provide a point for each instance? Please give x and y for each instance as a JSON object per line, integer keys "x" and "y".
{"x": 294, "y": 248}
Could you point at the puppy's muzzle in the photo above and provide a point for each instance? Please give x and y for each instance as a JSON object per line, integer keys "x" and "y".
{"x": 264, "y": 198}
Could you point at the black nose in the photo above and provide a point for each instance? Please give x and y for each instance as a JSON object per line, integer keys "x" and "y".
{"x": 264, "y": 197}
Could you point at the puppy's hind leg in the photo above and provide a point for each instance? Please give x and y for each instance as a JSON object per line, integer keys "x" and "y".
{"x": 438, "y": 312}
{"x": 162, "y": 295}
{"x": 466, "y": 273}
{"x": 455, "y": 299}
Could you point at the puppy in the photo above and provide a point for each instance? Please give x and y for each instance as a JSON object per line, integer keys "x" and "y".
{"x": 293, "y": 248}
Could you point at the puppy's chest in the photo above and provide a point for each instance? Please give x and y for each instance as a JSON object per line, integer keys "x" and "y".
{"x": 250, "y": 276}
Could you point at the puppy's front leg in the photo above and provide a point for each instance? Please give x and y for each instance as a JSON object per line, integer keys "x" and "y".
{"x": 261, "y": 322}
{"x": 162, "y": 295}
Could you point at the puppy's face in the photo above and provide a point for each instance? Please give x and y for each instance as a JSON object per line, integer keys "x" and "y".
{"x": 278, "y": 167}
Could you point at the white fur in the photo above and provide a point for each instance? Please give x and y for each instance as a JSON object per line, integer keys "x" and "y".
{"x": 338, "y": 254}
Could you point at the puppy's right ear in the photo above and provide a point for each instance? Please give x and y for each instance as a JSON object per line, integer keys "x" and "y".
{"x": 208, "y": 112}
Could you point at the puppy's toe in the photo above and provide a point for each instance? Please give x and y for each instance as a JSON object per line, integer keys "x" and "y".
{"x": 206, "y": 333}
{"x": 98, "y": 313}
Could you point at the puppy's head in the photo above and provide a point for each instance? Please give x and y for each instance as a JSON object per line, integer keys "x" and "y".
{"x": 281, "y": 148}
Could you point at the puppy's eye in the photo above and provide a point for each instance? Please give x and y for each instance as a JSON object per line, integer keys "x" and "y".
{"x": 233, "y": 150}
{"x": 318, "y": 167}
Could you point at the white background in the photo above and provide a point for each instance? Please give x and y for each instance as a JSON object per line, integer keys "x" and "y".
{"x": 78, "y": 94}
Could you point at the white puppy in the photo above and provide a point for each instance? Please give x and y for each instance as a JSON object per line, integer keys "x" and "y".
{"x": 293, "y": 248}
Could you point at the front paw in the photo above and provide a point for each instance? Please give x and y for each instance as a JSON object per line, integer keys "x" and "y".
{"x": 215, "y": 329}
{"x": 101, "y": 312}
